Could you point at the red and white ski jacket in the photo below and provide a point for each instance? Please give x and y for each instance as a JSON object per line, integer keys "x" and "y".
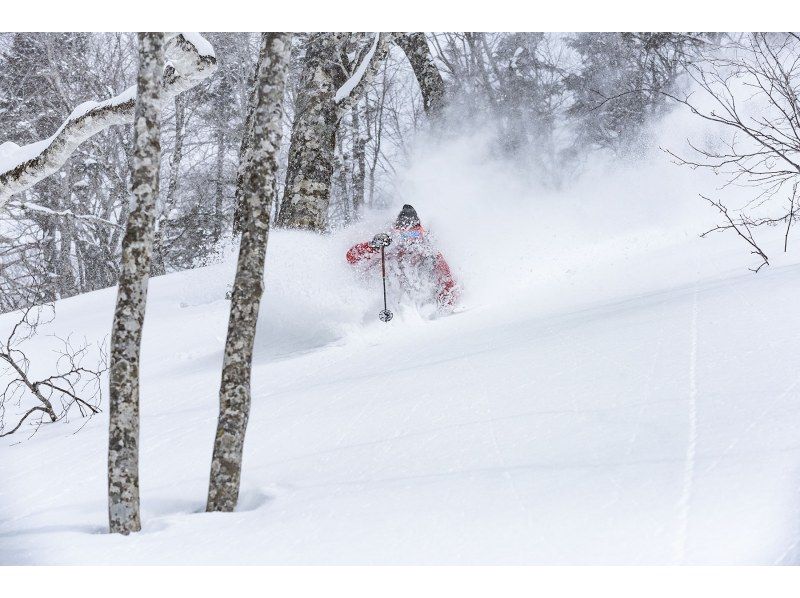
{"x": 446, "y": 294}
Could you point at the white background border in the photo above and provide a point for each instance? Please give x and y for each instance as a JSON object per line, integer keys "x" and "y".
{"x": 406, "y": 582}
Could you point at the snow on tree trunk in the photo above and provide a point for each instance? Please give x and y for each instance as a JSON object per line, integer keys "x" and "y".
{"x": 126, "y": 333}
{"x": 415, "y": 46}
{"x": 320, "y": 106}
{"x": 258, "y": 193}
{"x": 191, "y": 60}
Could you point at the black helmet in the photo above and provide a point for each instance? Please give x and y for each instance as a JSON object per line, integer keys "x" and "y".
{"x": 407, "y": 218}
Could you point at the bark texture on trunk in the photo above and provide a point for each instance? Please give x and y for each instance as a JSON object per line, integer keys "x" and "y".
{"x": 219, "y": 186}
{"x": 223, "y": 96}
{"x": 258, "y": 193}
{"x": 159, "y": 265}
{"x": 239, "y": 208}
{"x": 306, "y": 196}
{"x": 311, "y": 151}
{"x": 415, "y": 46}
{"x": 360, "y": 162}
{"x": 126, "y": 333}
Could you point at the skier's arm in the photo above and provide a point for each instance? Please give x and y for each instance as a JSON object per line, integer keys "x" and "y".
{"x": 448, "y": 291}
{"x": 360, "y": 251}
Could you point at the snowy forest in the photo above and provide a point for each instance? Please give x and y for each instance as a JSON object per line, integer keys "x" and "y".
{"x": 399, "y": 298}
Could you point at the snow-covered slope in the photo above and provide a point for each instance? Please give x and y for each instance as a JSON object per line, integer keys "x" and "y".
{"x": 631, "y": 423}
{"x": 615, "y": 390}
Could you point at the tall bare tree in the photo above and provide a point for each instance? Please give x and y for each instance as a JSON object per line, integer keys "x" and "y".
{"x": 415, "y": 46}
{"x": 126, "y": 333}
{"x": 754, "y": 90}
{"x": 360, "y": 137}
{"x": 159, "y": 267}
{"x": 329, "y": 84}
{"x": 258, "y": 191}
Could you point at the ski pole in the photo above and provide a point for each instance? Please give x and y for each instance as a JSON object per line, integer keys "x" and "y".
{"x": 385, "y": 315}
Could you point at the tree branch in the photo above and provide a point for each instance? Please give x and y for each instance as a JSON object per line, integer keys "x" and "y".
{"x": 190, "y": 59}
{"x": 354, "y": 87}
{"x": 70, "y": 378}
{"x": 741, "y": 228}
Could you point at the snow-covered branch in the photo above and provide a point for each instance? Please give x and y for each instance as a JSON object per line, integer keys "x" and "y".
{"x": 26, "y": 206}
{"x": 190, "y": 59}
{"x": 352, "y": 89}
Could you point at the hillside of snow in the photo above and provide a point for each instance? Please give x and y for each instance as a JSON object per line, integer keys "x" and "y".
{"x": 613, "y": 390}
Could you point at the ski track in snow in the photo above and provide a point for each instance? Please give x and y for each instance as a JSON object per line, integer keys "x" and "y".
{"x": 506, "y": 470}
{"x": 749, "y": 308}
{"x": 685, "y": 501}
{"x": 500, "y": 435}
{"x": 789, "y": 556}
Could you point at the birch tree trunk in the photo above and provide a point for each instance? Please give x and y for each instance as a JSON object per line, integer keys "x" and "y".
{"x": 260, "y": 164}
{"x": 342, "y": 168}
{"x": 320, "y": 107}
{"x": 307, "y": 192}
{"x": 159, "y": 265}
{"x": 126, "y": 334}
{"x": 374, "y": 118}
{"x": 223, "y": 97}
{"x": 359, "y": 162}
{"x": 67, "y": 286}
{"x": 239, "y": 208}
{"x": 219, "y": 186}
{"x": 415, "y": 46}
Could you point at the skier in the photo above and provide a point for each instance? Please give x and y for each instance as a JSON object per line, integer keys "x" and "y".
{"x": 420, "y": 268}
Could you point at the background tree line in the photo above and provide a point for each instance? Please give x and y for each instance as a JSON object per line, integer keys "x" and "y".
{"x": 546, "y": 95}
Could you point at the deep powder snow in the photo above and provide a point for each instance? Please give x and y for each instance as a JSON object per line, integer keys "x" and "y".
{"x": 614, "y": 390}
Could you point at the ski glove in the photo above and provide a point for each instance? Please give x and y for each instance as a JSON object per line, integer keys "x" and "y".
{"x": 380, "y": 240}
